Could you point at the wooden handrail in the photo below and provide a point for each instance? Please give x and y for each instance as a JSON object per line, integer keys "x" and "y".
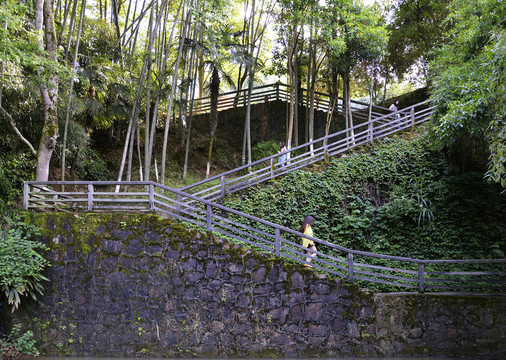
{"x": 416, "y": 274}
{"x": 377, "y": 127}
{"x": 199, "y": 209}
{"x": 276, "y": 91}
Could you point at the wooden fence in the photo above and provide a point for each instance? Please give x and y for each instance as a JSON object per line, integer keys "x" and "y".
{"x": 279, "y": 91}
{"x": 379, "y": 126}
{"x": 396, "y": 273}
{"x": 194, "y": 205}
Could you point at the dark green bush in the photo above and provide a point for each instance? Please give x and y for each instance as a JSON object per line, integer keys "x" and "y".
{"x": 21, "y": 265}
{"x": 400, "y": 198}
{"x": 93, "y": 168}
{"x": 14, "y": 169}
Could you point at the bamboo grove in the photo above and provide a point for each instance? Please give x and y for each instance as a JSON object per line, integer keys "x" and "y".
{"x": 132, "y": 67}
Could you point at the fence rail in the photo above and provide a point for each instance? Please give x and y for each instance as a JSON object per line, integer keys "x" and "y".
{"x": 355, "y": 266}
{"x": 268, "y": 168}
{"x": 279, "y": 91}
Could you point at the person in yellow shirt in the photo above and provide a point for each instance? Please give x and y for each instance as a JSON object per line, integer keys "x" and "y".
{"x": 308, "y": 243}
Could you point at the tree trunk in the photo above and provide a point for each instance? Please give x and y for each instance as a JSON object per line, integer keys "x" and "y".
{"x": 292, "y": 63}
{"x": 49, "y": 94}
{"x": 71, "y": 28}
{"x": 349, "y": 116}
{"x": 213, "y": 116}
{"x": 74, "y": 63}
{"x": 172, "y": 92}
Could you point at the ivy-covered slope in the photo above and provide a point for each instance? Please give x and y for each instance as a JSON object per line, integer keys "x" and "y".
{"x": 397, "y": 197}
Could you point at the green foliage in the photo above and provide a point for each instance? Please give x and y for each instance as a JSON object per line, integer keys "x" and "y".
{"x": 14, "y": 169}
{"x": 21, "y": 265}
{"x": 400, "y": 198}
{"x": 93, "y": 168}
{"x": 264, "y": 149}
{"x": 415, "y": 29}
{"x": 353, "y": 33}
{"x": 18, "y": 343}
{"x": 20, "y": 49}
{"x": 468, "y": 76}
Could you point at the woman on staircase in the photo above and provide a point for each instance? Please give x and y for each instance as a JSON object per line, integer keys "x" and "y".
{"x": 308, "y": 243}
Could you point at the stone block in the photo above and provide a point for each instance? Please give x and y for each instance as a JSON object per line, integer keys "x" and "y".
{"x": 278, "y": 315}
{"x": 263, "y": 289}
{"x": 314, "y": 311}
{"x": 297, "y": 280}
{"x": 296, "y": 315}
{"x": 259, "y": 275}
{"x": 133, "y": 248}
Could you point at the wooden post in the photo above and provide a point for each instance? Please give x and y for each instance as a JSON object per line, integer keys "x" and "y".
{"x": 350, "y": 268}
{"x": 90, "y": 197}
{"x": 222, "y": 181}
{"x": 208, "y": 217}
{"x": 369, "y": 116}
{"x": 151, "y": 197}
{"x": 325, "y": 150}
{"x": 421, "y": 278}
{"x": 272, "y": 168}
{"x": 277, "y": 243}
{"x": 277, "y": 91}
{"x": 412, "y": 114}
{"x": 26, "y": 193}
{"x": 178, "y": 206}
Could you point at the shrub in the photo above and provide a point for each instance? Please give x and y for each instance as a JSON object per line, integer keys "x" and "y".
{"x": 21, "y": 266}
{"x": 93, "y": 168}
{"x": 17, "y": 343}
{"x": 14, "y": 169}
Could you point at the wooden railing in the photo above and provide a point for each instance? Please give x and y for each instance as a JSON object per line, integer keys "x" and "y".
{"x": 194, "y": 205}
{"x": 398, "y": 273}
{"x": 279, "y": 91}
{"x": 301, "y": 156}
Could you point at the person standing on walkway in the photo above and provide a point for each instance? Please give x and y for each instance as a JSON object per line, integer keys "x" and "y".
{"x": 282, "y": 158}
{"x": 308, "y": 243}
{"x": 394, "y": 107}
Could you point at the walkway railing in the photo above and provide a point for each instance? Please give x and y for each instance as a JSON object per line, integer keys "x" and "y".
{"x": 279, "y": 91}
{"x": 298, "y": 157}
{"x": 355, "y": 266}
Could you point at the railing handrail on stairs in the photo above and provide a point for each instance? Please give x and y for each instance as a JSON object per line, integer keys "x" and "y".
{"x": 199, "y": 210}
{"x": 401, "y": 272}
{"x": 377, "y": 127}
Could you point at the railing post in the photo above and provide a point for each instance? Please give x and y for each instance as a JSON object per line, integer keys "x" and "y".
{"x": 272, "y": 168}
{"x": 90, "y": 197}
{"x": 151, "y": 197}
{"x": 208, "y": 217}
{"x": 178, "y": 206}
{"x": 222, "y": 181}
{"x": 277, "y": 91}
{"x": 26, "y": 192}
{"x": 421, "y": 278}
{"x": 412, "y": 115}
{"x": 350, "y": 268}
{"x": 371, "y": 130}
{"x": 277, "y": 243}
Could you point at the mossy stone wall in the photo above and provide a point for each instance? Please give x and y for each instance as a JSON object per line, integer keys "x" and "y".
{"x": 143, "y": 285}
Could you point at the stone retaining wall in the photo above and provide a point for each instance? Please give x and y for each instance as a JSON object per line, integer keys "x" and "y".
{"x": 135, "y": 286}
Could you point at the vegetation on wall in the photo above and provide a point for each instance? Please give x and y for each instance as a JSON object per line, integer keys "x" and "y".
{"x": 399, "y": 198}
